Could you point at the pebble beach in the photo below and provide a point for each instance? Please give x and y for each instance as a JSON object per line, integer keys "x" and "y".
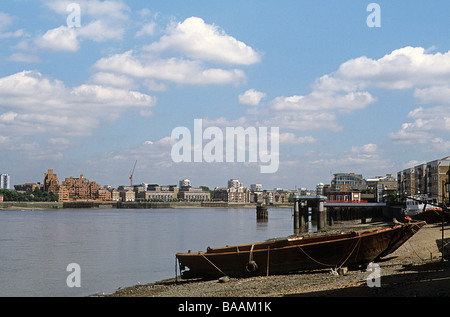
{"x": 415, "y": 269}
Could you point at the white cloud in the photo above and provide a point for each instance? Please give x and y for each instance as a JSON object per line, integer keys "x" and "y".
{"x": 116, "y": 11}
{"x": 202, "y": 41}
{"x": 403, "y": 68}
{"x": 436, "y": 94}
{"x": 100, "y": 21}
{"x": 367, "y": 150}
{"x": 114, "y": 80}
{"x": 15, "y": 34}
{"x": 291, "y": 138}
{"x": 59, "y": 39}
{"x": 367, "y": 159}
{"x": 23, "y": 58}
{"x": 251, "y": 97}
{"x": 347, "y": 90}
{"x": 5, "y": 20}
{"x": 147, "y": 29}
{"x": 174, "y": 69}
{"x": 31, "y": 103}
{"x": 303, "y": 121}
{"x": 324, "y": 100}
{"x": 427, "y": 123}
{"x": 99, "y": 31}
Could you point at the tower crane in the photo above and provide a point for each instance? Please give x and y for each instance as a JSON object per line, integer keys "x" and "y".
{"x": 131, "y": 174}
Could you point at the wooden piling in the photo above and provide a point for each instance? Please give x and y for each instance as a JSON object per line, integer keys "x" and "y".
{"x": 296, "y": 216}
{"x": 261, "y": 213}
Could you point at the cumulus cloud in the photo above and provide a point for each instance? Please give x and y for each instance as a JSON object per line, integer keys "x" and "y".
{"x": 251, "y": 97}
{"x": 147, "y": 30}
{"x": 318, "y": 110}
{"x": 196, "y": 46}
{"x": 105, "y": 10}
{"x": 62, "y": 38}
{"x": 101, "y": 21}
{"x": 5, "y": 20}
{"x": 427, "y": 123}
{"x": 23, "y": 58}
{"x": 31, "y": 103}
{"x": 100, "y": 31}
{"x": 324, "y": 100}
{"x": 207, "y": 42}
{"x": 366, "y": 159}
{"x": 291, "y": 138}
{"x": 403, "y": 68}
{"x": 176, "y": 70}
{"x": 114, "y": 80}
{"x": 347, "y": 90}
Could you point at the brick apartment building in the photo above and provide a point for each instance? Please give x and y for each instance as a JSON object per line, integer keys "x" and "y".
{"x": 425, "y": 180}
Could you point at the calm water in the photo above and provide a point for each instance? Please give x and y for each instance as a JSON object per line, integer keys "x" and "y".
{"x": 116, "y": 248}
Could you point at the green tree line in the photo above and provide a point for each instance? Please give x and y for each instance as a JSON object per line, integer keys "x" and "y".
{"x": 36, "y": 195}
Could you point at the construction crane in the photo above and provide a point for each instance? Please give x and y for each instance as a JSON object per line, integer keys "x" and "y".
{"x": 131, "y": 174}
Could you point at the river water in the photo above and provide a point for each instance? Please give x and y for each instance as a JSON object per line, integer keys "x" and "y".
{"x": 116, "y": 247}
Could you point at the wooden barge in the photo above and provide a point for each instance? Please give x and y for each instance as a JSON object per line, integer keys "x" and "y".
{"x": 296, "y": 253}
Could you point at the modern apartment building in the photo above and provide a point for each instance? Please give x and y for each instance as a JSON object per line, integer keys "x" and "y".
{"x": 234, "y": 183}
{"x": 425, "y": 180}
{"x": 52, "y": 186}
{"x": 5, "y": 181}
{"x": 51, "y": 182}
{"x": 232, "y": 195}
{"x": 347, "y": 182}
{"x": 81, "y": 187}
{"x": 382, "y": 186}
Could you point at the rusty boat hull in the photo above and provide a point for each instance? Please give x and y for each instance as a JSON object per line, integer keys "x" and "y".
{"x": 280, "y": 256}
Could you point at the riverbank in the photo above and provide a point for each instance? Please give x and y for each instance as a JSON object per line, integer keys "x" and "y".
{"x": 415, "y": 269}
{"x": 13, "y": 205}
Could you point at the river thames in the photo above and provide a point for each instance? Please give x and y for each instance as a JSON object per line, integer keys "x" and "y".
{"x": 116, "y": 247}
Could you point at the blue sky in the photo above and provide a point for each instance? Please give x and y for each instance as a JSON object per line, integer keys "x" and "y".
{"x": 346, "y": 97}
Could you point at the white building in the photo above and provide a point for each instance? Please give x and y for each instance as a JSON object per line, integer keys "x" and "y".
{"x": 185, "y": 183}
{"x": 235, "y": 183}
{"x": 256, "y": 187}
{"x": 5, "y": 181}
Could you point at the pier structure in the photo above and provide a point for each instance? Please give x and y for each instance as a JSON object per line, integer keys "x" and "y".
{"x": 302, "y": 205}
{"x": 326, "y": 212}
{"x": 261, "y": 213}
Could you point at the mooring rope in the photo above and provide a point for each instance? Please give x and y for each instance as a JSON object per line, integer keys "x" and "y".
{"x": 357, "y": 244}
{"x": 251, "y": 254}
{"x": 331, "y": 265}
{"x": 213, "y": 265}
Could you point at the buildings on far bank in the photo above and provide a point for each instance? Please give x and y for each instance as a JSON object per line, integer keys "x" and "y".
{"x": 353, "y": 187}
{"x": 83, "y": 189}
{"x": 427, "y": 180}
{"x": 236, "y": 193}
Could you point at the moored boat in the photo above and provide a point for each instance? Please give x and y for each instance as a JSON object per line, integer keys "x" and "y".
{"x": 424, "y": 210}
{"x": 296, "y": 253}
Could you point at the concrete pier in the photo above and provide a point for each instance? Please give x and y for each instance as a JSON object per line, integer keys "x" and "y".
{"x": 301, "y": 207}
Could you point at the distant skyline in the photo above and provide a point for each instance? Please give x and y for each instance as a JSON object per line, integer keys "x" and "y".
{"x": 93, "y": 92}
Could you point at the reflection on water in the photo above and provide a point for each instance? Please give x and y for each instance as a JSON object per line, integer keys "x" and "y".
{"x": 116, "y": 248}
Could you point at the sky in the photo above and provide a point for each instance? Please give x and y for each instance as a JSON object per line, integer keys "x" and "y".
{"x": 91, "y": 87}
